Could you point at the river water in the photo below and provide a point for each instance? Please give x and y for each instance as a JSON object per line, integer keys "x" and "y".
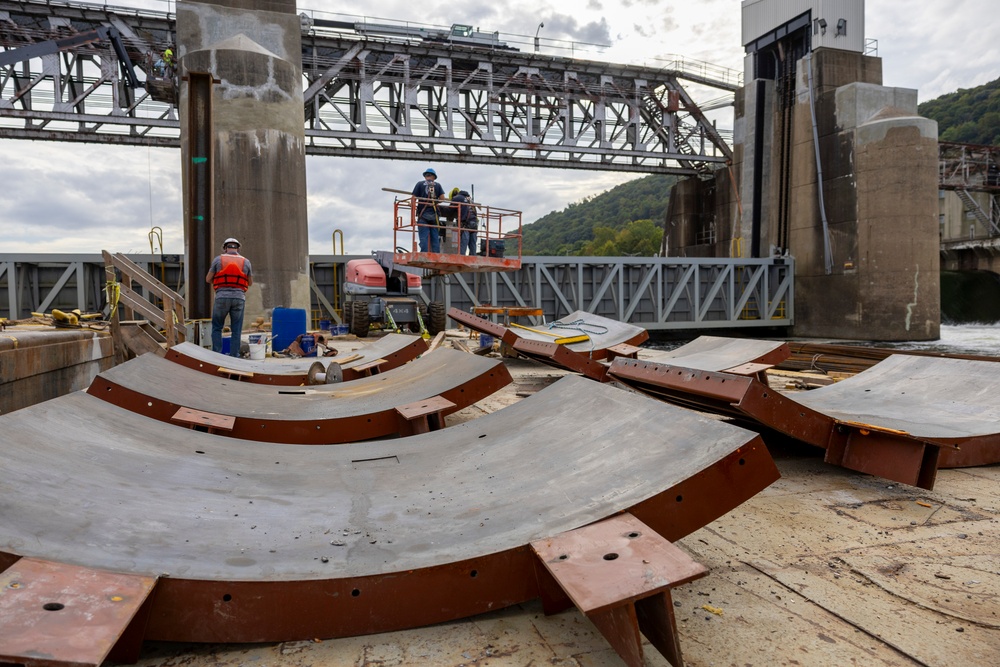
{"x": 977, "y": 339}
{"x": 982, "y": 339}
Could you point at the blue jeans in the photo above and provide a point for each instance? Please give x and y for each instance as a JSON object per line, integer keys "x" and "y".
{"x": 234, "y": 309}
{"x": 468, "y": 241}
{"x": 423, "y": 232}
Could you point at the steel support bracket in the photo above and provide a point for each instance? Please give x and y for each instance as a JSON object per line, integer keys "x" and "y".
{"x": 619, "y": 573}
{"x": 59, "y": 615}
{"x": 424, "y": 416}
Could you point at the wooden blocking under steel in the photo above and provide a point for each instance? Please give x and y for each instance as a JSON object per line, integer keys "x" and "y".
{"x": 619, "y": 573}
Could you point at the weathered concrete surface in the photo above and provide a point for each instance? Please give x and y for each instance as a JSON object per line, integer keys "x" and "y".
{"x": 879, "y": 162}
{"x": 825, "y": 568}
{"x": 253, "y": 47}
{"x": 39, "y": 363}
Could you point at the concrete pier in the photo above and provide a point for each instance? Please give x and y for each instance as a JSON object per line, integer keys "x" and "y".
{"x": 257, "y": 183}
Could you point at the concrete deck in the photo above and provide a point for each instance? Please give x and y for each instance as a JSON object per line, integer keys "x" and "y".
{"x": 825, "y": 568}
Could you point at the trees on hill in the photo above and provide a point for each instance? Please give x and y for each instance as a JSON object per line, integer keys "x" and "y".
{"x": 617, "y": 213}
{"x": 968, "y": 116}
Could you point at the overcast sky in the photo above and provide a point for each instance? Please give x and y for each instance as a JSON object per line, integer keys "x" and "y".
{"x": 81, "y": 198}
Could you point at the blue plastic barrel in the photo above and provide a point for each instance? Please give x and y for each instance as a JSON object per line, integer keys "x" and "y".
{"x": 286, "y": 325}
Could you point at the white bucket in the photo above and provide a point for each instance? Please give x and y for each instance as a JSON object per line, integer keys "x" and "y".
{"x": 257, "y": 351}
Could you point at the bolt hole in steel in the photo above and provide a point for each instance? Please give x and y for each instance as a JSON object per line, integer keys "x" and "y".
{"x": 53, "y": 606}
{"x": 227, "y": 597}
{"x": 355, "y": 593}
{"x": 108, "y": 389}
{"x": 474, "y": 574}
{"x": 743, "y": 462}
{"x": 680, "y": 498}
{"x": 150, "y": 404}
{"x": 611, "y": 556}
{"x": 633, "y": 535}
{"x": 765, "y": 394}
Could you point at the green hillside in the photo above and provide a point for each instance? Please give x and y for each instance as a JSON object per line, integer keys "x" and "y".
{"x": 968, "y": 116}
{"x": 626, "y": 220}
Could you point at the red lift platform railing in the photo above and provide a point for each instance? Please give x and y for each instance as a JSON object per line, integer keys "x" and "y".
{"x": 498, "y": 239}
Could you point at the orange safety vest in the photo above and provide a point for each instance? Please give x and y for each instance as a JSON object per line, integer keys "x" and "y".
{"x": 232, "y": 274}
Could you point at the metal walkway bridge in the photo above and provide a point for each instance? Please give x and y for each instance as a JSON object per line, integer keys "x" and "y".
{"x": 654, "y": 293}
{"x": 369, "y": 96}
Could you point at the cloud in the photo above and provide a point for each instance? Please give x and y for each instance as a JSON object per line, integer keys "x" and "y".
{"x": 64, "y": 197}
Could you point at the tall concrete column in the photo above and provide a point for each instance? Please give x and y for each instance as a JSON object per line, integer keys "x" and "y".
{"x": 252, "y": 48}
{"x": 879, "y": 165}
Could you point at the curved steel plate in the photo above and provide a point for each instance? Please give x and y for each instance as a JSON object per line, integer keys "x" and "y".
{"x": 395, "y": 349}
{"x": 262, "y": 542}
{"x": 949, "y": 401}
{"x": 898, "y": 419}
{"x": 584, "y": 358}
{"x": 326, "y": 414}
{"x": 717, "y": 353}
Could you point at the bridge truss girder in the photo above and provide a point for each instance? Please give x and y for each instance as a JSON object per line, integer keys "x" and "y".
{"x": 501, "y": 108}
{"x": 371, "y": 98}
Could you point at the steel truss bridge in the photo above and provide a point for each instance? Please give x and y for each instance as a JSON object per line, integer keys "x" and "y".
{"x": 371, "y": 97}
{"x": 655, "y": 293}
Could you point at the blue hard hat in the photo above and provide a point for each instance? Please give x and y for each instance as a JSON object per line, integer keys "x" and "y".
{"x": 430, "y": 171}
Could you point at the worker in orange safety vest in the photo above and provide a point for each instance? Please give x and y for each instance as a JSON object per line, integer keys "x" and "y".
{"x": 230, "y": 275}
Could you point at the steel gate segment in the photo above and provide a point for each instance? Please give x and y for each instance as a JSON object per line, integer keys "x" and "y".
{"x": 581, "y": 358}
{"x": 951, "y": 402}
{"x": 898, "y": 419}
{"x": 259, "y": 542}
{"x": 325, "y": 414}
{"x": 718, "y": 353}
{"x": 395, "y": 349}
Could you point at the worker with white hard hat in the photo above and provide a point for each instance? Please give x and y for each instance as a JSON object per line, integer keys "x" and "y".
{"x": 230, "y": 275}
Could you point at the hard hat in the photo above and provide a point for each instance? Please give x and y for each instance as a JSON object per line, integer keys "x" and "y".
{"x": 228, "y": 241}
{"x": 430, "y": 171}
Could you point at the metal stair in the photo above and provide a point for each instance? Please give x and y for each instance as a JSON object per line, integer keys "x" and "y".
{"x": 987, "y": 219}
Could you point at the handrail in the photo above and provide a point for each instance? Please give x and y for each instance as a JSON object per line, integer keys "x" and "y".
{"x": 170, "y": 318}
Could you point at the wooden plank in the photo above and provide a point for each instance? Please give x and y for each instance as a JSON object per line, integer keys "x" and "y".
{"x": 148, "y": 310}
{"x": 136, "y": 273}
{"x": 370, "y": 366}
{"x": 436, "y": 342}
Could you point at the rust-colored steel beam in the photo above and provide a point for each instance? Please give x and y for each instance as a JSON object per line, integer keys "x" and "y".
{"x": 258, "y": 542}
{"x": 898, "y": 420}
{"x": 322, "y": 415}
{"x": 394, "y": 349}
